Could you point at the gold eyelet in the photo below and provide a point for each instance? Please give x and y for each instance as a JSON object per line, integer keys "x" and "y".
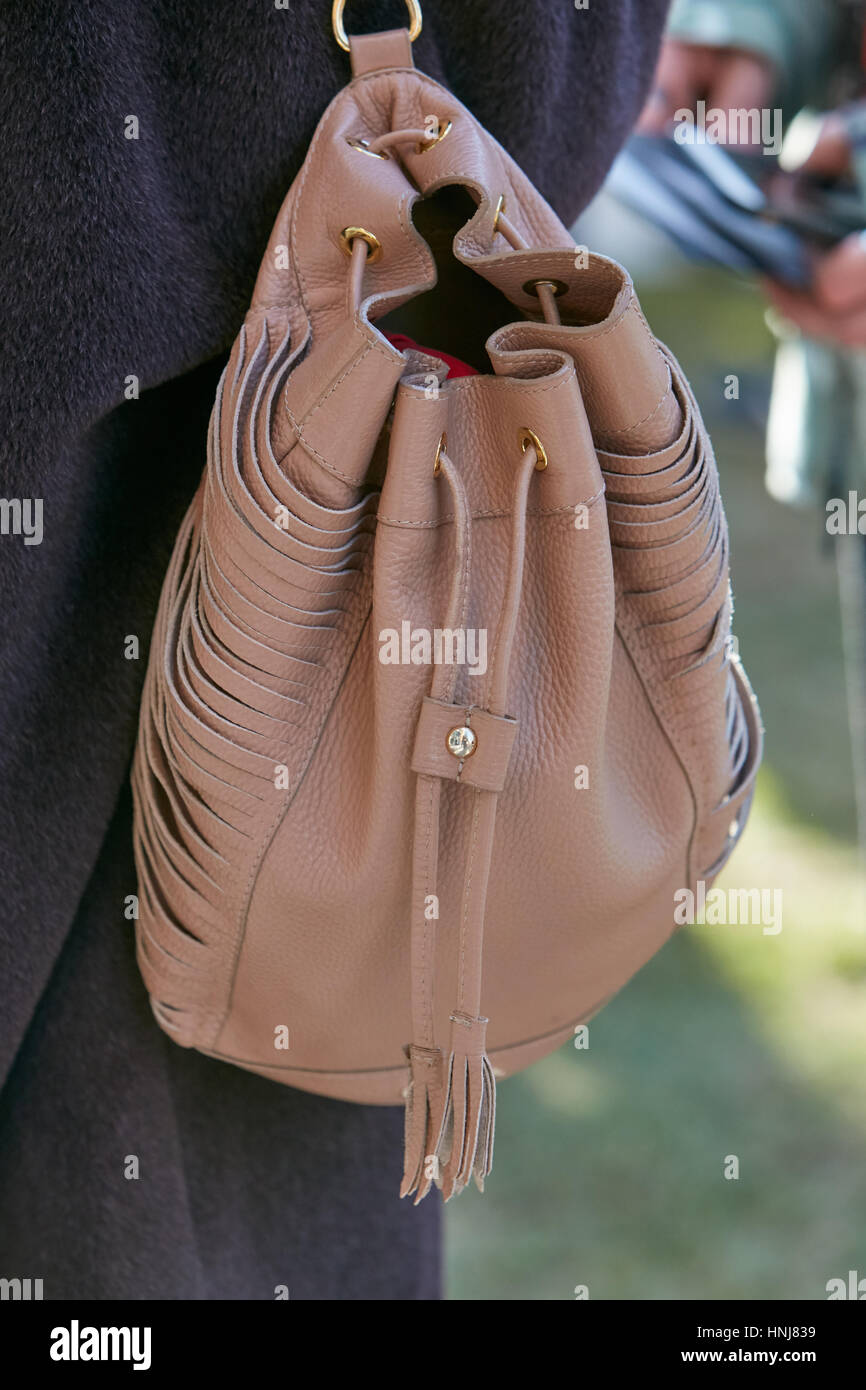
{"x": 440, "y": 449}
{"x": 350, "y": 234}
{"x": 364, "y": 147}
{"x": 557, "y": 286}
{"x": 500, "y": 208}
{"x": 528, "y": 437}
{"x": 424, "y": 145}
{"x": 338, "y": 9}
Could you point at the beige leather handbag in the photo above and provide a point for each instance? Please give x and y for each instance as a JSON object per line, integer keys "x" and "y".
{"x": 441, "y": 708}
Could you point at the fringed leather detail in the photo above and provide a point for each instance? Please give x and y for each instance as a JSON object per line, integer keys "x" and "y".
{"x": 466, "y": 1149}
{"x": 261, "y": 608}
{"x": 426, "y": 1102}
{"x": 669, "y": 541}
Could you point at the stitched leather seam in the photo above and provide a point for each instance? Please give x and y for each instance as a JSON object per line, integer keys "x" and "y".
{"x": 355, "y": 361}
{"x": 347, "y": 372}
{"x": 302, "y": 439}
{"x": 424, "y": 257}
{"x": 655, "y": 410}
{"x": 477, "y": 516}
{"x": 619, "y": 627}
{"x": 308, "y": 165}
{"x": 617, "y": 323}
{"x": 471, "y": 383}
{"x": 467, "y": 896}
{"x": 305, "y": 443}
{"x": 428, "y": 1029}
{"x": 564, "y": 1029}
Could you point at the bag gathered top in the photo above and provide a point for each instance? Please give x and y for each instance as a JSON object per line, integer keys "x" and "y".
{"x": 442, "y": 708}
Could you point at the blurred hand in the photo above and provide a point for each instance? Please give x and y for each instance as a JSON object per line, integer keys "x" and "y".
{"x": 828, "y": 153}
{"x": 835, "y": 308}
{"x": 727, "y": 78}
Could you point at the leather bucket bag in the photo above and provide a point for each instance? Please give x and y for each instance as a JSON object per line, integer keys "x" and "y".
{"x": 441, "y": 707}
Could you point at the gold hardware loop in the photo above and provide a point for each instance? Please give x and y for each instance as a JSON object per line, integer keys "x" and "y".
{"x": 350, "y": 234}
{"x": 364, "y": 147}
{"x": 500, "y": 208}
{"x": 557, "y": 286}
{"x": 424, "y": 145}
{"x": 338, "y": 9}
{"x": 440, "y": 449}
{"x": 528, "y": 437}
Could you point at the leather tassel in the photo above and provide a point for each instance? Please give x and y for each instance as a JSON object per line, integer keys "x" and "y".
{"x": 467, "y": 1139}
{"x": 426, "y": 1104}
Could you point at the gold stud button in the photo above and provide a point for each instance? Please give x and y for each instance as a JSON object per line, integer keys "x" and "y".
{"x": 462, "y": 741}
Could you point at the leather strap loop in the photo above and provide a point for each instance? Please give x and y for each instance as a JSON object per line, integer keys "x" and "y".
{"x": 372, "y": 52}
{"x": 486, "y": 766}
{"x": 453, "y": 1108}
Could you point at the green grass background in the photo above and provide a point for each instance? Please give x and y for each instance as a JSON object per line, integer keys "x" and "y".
{"x": 609, "y": 1162}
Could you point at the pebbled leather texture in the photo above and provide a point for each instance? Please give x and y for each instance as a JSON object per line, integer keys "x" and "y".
{"x": 293, "y": 793}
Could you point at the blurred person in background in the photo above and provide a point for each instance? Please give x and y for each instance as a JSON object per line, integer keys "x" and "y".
{"x": 809, "y": 58}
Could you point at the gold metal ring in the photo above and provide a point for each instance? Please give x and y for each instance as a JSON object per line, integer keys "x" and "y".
{"x": 528, "y": 437}
{"x": 558, "y": 287}
{"x": 440, "y": 449}
{"x": 364, "y": 147}
{"x": 338, "y": 9}
{"x": 500, "y": 208}
{"x": 350, "y": 234}
{"x": 424, "y": 145}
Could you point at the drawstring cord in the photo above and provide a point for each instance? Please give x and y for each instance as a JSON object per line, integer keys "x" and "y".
{"x": 451, "y": 1100}
{"x": 427, "y": 1099}
{"x": 545, "y": 290}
